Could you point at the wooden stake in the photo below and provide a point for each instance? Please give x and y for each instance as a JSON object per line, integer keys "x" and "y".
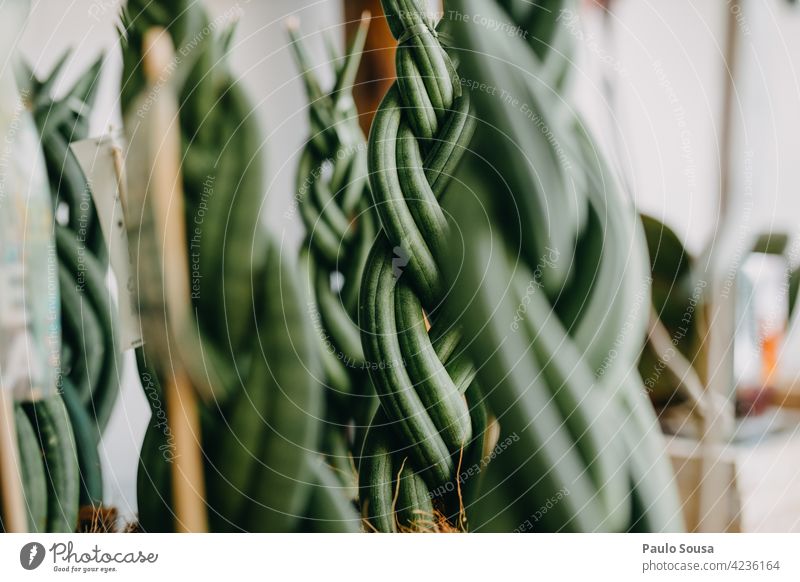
{"x": 719, "y": 313}
{"x": 15, "y": 518}
{"x": 188, "y": 485}
{"x": 377, "y": 71}
{"x": 166, "y": 189}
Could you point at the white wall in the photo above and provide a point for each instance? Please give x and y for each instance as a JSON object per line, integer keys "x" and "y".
{"x": 671, "y": 55}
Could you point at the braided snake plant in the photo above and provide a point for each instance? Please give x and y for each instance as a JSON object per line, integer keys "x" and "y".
{"x": 334, "y": 203}
{"x": 90, "y": 350}
{"x": 524, "y": 279}
{"x": 431, "y": 413}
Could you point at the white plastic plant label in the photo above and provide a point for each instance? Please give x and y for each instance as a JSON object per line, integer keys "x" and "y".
{"x": 102, "y": 163}
{"x": 30, "y": 317}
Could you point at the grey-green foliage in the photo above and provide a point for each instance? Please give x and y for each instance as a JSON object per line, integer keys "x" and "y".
{"x": 261, "y": 422}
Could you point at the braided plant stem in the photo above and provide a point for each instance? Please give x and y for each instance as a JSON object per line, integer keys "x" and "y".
{"x": 424, "y": 423}
{"x": 93, "y": 373}
{"x": 90, "y": 352}
{"x": 334, "y": 203}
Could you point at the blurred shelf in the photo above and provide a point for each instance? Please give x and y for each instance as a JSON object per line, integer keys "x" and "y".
{"x": 788, "y": 396}
{"x": 761, "y": 467}
{"x": 769, "y": 478}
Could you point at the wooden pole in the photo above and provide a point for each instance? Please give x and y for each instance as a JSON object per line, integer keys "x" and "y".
{"x": 15, "y": 519}
{"x": 377, "y": 71}
{"x": 719, "y": 313}
{"x": 188, "y": 486}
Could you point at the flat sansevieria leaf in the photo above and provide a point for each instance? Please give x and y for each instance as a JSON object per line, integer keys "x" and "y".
{"x": 261, "y": 421}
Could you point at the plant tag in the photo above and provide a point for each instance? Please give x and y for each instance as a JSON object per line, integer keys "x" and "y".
{"x": 30, "y": 319}
{"x": 103, "y": 164}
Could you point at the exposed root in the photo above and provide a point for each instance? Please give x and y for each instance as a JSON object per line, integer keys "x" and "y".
{"x": 436, "y": 522}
